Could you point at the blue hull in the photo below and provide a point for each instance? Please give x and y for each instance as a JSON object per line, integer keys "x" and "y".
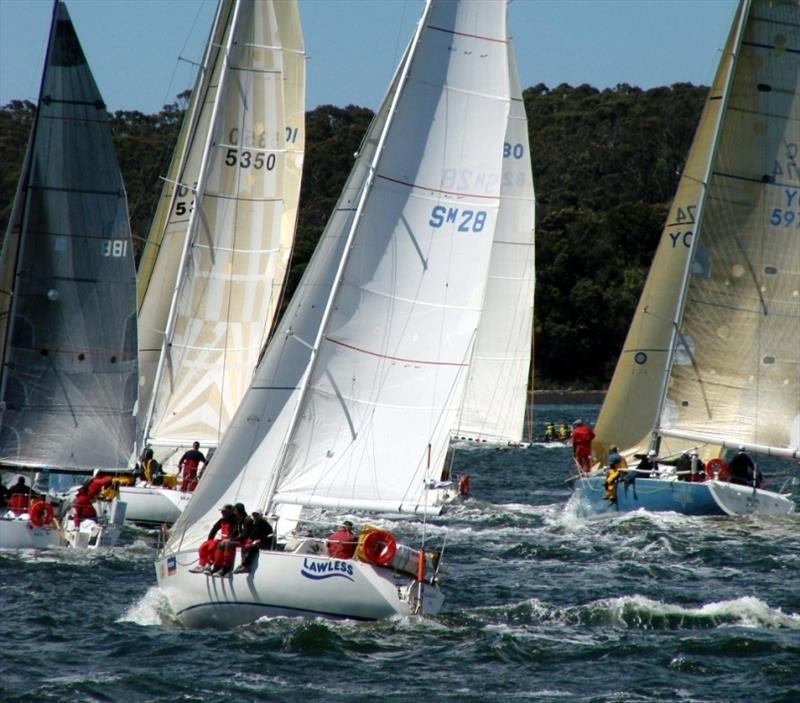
{"x": 656, "y": 495}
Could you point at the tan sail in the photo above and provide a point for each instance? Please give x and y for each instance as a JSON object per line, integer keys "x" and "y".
{"x": 228, "y": 233}
{"x": 631, "y": 407}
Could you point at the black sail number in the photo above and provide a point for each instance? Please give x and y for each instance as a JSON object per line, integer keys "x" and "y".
{"x": 249, "y": 159}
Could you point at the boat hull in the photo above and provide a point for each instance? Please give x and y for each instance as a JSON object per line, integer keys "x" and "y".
{"x": 685, "y": 497}
{"x": 19, "y": 533}
{"x": 290, "y": 584}
{"x": 152, "y": 505}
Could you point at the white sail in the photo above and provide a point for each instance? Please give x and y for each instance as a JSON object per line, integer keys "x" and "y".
{"x": 226, "y": 238}
{"x": 68, "y": 300}
{"x": 632, "y": 404}
{"x": 734, "y": 373}
{"x": 375, "y": 342}
{"x": 497, "y": 388}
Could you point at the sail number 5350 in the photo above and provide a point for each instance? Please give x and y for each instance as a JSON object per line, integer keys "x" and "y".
{"x": 247, "y": 159}
{"x": 467, "y": 220}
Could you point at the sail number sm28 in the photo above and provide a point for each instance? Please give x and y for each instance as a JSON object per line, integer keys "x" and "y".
{"x": 467, "y": 220}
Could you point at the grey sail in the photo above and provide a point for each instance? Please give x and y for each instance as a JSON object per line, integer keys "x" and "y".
{"x": 68, "y": 298}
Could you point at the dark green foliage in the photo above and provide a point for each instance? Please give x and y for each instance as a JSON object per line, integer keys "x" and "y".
{"x": 605, "y": 165}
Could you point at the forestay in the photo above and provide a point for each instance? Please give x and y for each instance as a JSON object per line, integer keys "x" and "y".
{"x": 735, "y": 369}
{"x": 225, "y": 227}
{"x": 497, "y": 389}
{"x": 69, "y": 346}
{"x": 405, "y": 257}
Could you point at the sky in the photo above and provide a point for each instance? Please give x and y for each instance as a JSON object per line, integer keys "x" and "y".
{"x": 141, "y": 51}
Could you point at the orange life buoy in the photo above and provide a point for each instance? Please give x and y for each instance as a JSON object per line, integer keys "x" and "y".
{"x": 41, "y": 514}
{"x": 719, "y": 467}
{"x": 463, "y": 485}
{"x": 379, "y": 547}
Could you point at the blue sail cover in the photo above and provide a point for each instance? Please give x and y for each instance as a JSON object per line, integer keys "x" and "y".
{"x": 69, "y": 374}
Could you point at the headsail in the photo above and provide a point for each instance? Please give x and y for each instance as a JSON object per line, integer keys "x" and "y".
{"x": 391, "y": 296}
{"x": 69, "y": 329}
{"x": 225, "y": 227}
{"x": 734, "y": 375}
{"x": 632, "y": 404}
{"x": 497, "y": 389}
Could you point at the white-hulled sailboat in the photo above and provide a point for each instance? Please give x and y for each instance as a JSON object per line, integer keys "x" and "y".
{"x": 711, "y": 359}
{"x": 67, "y": 305}
{"x": 496, "y": 399}
{"x": 216, "y": 259}
{"x": 352, "y": 406}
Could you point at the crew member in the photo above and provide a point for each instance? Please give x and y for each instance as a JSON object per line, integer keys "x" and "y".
{"x": 190, "y": 464}
{"x": 212, "y": 556}
{"x": 82, "y": 507}
{"x": 743, "y": 471}
{"x": 257, "y": 534}
{"x": 343, "y": 542}
{"x": 582, "y": 436}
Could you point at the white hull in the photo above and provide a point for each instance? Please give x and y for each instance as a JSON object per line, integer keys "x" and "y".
{"x": 153, "y": 505}
{"x": 290, "y": 584}
{"x": 19, "y": 533}
{"x": 734, "y": 499}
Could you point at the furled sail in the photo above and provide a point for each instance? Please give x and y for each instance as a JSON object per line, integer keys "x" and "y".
{"x": 354, "y": 401}
{"x": 69, "y": 288}
{"x": 224, "y": 230}
{"x": 497, "y": 388}
{"x": 735, "y": 373}
{"x": 632, "y": 404}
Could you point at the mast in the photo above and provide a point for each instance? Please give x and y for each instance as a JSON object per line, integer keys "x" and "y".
{"x": 275, "y": 478}
{"x": 744, "y": 11}
{"x": 199, "y": 190}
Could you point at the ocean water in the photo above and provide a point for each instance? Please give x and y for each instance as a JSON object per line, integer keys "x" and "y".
{"x": 541, "y": 606}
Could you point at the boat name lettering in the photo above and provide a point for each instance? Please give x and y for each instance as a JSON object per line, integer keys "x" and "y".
{"x": 248, "y": 159}
{"x": 116, "y": 248}
{"x": 471, "y": 220}
{"x": 467, "y": 180}
{"x": 685, "y": 237}
{"x": 515, "y": 150}
{"x": 318, "y": 569}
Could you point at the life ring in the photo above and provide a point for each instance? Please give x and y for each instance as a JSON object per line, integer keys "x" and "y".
{"x": 379, "y": 547}
{"x": 463, "y": 485}
{"x": 41, "y": 514}
{"x": 719, "y": 467}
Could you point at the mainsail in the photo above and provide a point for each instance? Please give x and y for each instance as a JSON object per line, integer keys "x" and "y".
{"x": 354, "y": 401}
{"x": 68, "y": 298}
{"x": 632, "y": 404}
{"x": 497, "y": 388}
{"x": 735, "y": 371}
{"x": 219, "y": 248}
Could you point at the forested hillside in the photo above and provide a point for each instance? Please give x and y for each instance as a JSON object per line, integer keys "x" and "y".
{"x": 605, "y": 166}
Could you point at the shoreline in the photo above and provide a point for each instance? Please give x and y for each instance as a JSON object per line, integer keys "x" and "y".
{"x": 567, "y": 397}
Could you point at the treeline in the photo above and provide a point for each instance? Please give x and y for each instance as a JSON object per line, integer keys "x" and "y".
{"x": 605, "y": 164}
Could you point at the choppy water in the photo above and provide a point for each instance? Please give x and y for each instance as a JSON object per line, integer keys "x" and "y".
{"x": 541, "y": 606}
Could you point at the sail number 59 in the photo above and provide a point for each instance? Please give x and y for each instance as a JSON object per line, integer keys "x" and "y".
{"x": 467, "y": 220}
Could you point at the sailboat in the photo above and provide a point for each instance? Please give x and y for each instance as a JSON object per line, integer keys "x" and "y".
{"x": 67, "y": 303}
{"x": 710, "y": 361}
{"x": 496, "y": 398}
{"x": 214, "y": 266}
{"x": 352, "y": 406}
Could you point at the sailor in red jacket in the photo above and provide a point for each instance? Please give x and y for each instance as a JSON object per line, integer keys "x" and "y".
{"x": 216, "y": 554}
{"x": 342, "y": 543}
{"x": 582, "y": 436}
{"x": 82, "y": 508}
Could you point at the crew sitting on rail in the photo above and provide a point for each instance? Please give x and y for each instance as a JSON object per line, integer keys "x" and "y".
{"x": 216, "y": 554}
{"x": 743, "y": 471}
